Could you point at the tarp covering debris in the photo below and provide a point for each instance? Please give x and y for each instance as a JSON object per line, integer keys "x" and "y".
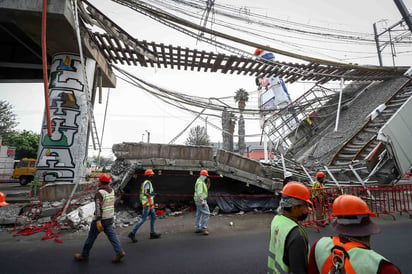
{"x": 234, "y": 203}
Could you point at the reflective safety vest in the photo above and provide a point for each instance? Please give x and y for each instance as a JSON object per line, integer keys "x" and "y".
{"x": 357, "y": 258}
{"x": 280, "y": 229}
{"x": 108, "y": 204}
{"x": 200, "y": 188}
{"x": 317, "y": 191}
{"x": 145, "y": 200}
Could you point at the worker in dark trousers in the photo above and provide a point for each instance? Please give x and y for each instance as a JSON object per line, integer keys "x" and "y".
{"x": 102, "y": 221}
{"x": 147, "y": 200}
{"x": 202, "y": 186}
{"x": 350, "y": 251}
{"x": 289, "y": 245}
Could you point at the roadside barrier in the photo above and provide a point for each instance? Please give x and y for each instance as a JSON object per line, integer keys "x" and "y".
{"x": 381, "y": 199}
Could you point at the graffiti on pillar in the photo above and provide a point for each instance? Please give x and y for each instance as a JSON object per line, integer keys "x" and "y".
{"x": 60, "y": 154}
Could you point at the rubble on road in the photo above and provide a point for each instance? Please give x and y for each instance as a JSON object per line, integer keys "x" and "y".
{"x": 18, "y": 215}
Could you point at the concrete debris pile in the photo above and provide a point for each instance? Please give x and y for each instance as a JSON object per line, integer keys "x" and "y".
{"x": 120, "y": 173}
{"x": 324, "y": 142}
{"x": 78, "y": 217}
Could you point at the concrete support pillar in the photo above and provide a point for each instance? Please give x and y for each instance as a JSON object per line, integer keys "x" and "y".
{"x": 61, "y": 157}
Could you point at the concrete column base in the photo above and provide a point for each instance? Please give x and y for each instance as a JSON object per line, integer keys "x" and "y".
{"x": 57, "y": 192}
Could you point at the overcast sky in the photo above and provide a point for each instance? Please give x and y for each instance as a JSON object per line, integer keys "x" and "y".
{"x": 132, "y": 112}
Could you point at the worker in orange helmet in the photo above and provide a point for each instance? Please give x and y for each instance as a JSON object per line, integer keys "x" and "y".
{"x": 319, "y": 199}
{"x": 102, "y": 221}
{"x": 202, "y": 208}
{"x": 350, "y": 251}
{"x": 147, "y": 199}
{"x": 289, "y": 245}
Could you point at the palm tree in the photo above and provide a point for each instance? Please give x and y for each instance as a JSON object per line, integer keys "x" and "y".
{"x": 241, "y": 97}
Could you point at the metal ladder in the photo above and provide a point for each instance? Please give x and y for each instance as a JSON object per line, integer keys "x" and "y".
{"x": 93, "y": 132}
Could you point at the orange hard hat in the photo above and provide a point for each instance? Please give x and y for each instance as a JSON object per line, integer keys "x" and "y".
{"x": 104, "y": 177}
{"x": 320, "y": 174}
{"x": 297, "y": 190}
{"x": 204, "y": 172}
{"x": 348, "y": 204}
{"x": 148, "y": 172}
{"x": 3, "y": 199}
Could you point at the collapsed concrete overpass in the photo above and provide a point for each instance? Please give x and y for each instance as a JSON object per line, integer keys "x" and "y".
{"x": 133, "y": 158}
{"x": 62, "y": 155}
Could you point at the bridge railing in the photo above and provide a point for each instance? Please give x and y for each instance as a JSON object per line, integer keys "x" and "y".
{"x": 279, "y": 125}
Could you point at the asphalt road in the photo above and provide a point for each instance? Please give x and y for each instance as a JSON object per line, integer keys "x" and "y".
{"x": 238, "y": 249}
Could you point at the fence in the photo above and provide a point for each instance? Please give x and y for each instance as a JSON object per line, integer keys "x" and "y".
{"x": 381, "y": 199}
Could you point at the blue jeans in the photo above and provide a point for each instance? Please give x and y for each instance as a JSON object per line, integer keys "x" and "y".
{"x": 202, "y": 216}
{"x": 146, "y": 211}
{"x": 110, "y": 233}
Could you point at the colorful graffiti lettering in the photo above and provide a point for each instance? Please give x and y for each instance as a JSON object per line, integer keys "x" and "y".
{"x": 61, "y": 155}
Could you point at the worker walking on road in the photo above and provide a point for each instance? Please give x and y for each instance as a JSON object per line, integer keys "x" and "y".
{"x": 147, "y": 200}
{"x": 319, "y": 199}
{"x": 289, "y": 245}
{"x": 202, "y": 209}
{"x": 102, "y": 221}
{"x": 349, "y": 252}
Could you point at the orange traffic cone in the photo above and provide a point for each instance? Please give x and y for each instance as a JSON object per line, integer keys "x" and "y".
{"x": 3, "y": 199}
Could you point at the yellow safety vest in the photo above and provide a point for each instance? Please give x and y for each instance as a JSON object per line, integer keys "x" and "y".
{"x": 317, "y": 190}
{"x": 143, "y": 198}
{"x": 361, "y": 259}
{"x": 200, "y": 188}
{"x": 280, "y": 229}
{"x": 108, "y": 204}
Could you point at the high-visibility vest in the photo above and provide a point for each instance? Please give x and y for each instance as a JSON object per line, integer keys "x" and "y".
{"x": 108, "y": 204}
{"x": 280, "y": 229}
{"x": 360, "y": 259}
{"x": 317, "y": 190}
{"x": 143, "y": 198}
{"x": 200, "y": 187}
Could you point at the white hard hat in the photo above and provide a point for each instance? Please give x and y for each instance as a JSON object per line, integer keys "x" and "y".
{"x": 288, "y": 174}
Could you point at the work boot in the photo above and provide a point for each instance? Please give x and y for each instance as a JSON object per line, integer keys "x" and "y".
{"x": 132, "y": 237}
{"x": 205, "y": 232}
{"x": 78, "y": 257}
{"x": 154, "y": 235}
{"x": 118, "y": 257}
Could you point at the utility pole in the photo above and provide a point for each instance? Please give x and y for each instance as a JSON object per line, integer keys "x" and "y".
{"x": 407, "y": 18}
{"x": 404, "y": 12}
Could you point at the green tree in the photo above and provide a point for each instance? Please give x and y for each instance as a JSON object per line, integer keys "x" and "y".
{"x": 7, "y": 119}
{"x": 198, "y": 137}
{"x": 26, "y": 144}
